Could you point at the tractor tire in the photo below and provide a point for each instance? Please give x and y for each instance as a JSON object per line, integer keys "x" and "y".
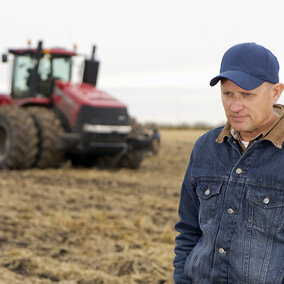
{"x": 107, "y": 162}
{"x": 80, "y": 160}
{"x": 132, "y": 160}
{"x": 48, "y": 130}
{"x": 18, "y": 138}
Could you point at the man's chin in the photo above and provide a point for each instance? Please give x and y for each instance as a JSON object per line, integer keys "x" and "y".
{"x": 239, "y": 126}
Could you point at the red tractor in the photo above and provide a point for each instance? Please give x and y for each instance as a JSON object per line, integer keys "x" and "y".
{"x": 47, "y": 119}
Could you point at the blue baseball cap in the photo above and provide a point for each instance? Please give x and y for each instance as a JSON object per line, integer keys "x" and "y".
{"x": 248, "y": 65}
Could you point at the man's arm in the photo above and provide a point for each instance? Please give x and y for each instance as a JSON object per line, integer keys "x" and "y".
{"x": 188, "y": 226}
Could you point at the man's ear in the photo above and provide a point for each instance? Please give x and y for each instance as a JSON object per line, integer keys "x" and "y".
{"x": 277, "y": 91}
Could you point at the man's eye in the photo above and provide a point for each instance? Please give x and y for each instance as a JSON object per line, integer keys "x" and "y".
{"x": 227, "y": 93}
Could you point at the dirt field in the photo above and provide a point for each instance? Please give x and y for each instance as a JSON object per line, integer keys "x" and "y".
{"x": 88, "y": 226}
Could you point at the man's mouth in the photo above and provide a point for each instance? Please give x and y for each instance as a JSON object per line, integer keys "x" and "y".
{"x": 238, "y": 118}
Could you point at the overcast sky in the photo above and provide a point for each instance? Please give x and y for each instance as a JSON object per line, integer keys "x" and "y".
{"x": 156, "y": 55}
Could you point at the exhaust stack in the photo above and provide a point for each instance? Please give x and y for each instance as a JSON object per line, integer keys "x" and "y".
{"x": 91, "y": 69}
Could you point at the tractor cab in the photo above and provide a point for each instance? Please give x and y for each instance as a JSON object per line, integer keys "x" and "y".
{"x": 34, "y": 71}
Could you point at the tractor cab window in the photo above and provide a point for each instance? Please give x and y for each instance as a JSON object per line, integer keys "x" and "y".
{"x": 22, "y": 65}
{"x": 23, "y": 68}
{"x": 44, "y": 80}
{"x": 49, "y": 68}
{"x": 61, "y": 68}
{"x": 44, "y": 68}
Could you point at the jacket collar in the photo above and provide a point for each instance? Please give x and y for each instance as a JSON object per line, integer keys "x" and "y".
{"x": 275, "y": 133}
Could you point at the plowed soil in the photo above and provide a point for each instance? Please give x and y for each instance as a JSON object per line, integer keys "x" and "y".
{"x": 83, "y": 226}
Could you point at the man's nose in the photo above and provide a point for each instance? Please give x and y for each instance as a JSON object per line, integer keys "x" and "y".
{"x": 236, "y": 105}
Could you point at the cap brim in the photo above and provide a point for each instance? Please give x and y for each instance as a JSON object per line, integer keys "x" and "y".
{"x": 242, "y": 79}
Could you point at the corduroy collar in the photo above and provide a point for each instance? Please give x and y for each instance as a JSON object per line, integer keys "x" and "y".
{"x": 274, "y": 133}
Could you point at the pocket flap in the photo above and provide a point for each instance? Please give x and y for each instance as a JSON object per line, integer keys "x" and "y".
{"x": 265, "y": 197}
{"x": 206, "y": 190}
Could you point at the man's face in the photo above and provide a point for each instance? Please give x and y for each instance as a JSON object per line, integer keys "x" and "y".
{"x": 249, "y": 112}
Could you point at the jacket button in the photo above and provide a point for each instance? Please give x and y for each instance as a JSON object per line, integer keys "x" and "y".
{"x": 266, "y": 200}
{"x": 230, "y": 211}
{"x": 221, "y": 251}
{"x": 239, "y": 171}
{"x": 207, "y": 191}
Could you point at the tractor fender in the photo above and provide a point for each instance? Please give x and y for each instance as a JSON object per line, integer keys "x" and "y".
{"x": 6, "y": 99}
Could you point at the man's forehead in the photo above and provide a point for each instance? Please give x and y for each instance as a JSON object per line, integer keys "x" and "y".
{"x": 226, "y": 83}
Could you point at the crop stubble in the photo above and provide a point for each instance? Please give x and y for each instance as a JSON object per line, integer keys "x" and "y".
{"x": 84, "y": 226}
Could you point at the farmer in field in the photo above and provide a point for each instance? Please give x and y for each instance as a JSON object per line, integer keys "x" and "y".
{"x": 232, "y": 198}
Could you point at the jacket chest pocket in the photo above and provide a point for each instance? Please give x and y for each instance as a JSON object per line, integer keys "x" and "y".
{"x": 265, "y": 208}
{"x": 208, "y": 195}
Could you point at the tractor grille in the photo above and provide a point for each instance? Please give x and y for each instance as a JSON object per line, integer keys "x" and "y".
{"x": 103, "y": 138}
{"x": 101, "y": 116}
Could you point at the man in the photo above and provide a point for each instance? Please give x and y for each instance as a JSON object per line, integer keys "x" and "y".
{"x": 232, "y": 198}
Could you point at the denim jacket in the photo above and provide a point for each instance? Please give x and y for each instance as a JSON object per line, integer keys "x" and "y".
{"x": 232, "y": 212}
